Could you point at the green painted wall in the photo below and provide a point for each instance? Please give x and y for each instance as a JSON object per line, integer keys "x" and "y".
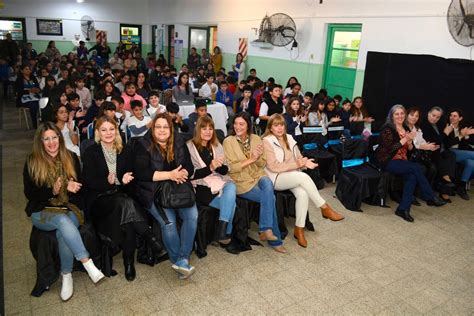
{"x": 67, "y": 46}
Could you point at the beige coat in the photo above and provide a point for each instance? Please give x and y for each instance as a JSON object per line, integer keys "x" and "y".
{"x": 245, "y": 178}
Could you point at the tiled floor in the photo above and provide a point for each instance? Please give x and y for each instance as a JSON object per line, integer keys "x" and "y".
{"x": 370, "y": 263}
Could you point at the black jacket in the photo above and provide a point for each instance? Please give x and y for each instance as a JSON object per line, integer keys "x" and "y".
{"x": 38, "y": 196}
{"x": 95, "y": 171}
{"x": 148, "y": 159}
{"x": 451, "y": 140}
{"x": 389, "y": 144}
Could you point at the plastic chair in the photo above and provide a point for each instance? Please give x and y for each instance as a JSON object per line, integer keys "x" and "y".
{"x": 25, "y": 113}
{"x": 42, "y": 104}
{"x": 90, "y": 130}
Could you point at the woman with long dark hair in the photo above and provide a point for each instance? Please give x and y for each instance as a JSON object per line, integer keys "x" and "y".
{"x": 182, "y": 92}
{"x": 51, "y": 179}
{"x": 161, "y": 155}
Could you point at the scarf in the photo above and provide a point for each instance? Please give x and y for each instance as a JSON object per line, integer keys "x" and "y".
{"x": 245, "y": 145}
{"x": 111, "y": 161}
{"x": 60, "y": 203}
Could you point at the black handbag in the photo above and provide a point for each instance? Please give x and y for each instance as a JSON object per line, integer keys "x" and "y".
{"x": 173, "y": 195}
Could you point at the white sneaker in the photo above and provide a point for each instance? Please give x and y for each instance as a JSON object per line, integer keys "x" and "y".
{"x": 67, "y": 287}
{"x": 95, "y": 274}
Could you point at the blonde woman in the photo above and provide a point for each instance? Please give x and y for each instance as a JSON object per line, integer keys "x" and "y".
{"x": 51, "y": 179}
{"x": 284, "y": 165}
{"x": 107, "y": 176}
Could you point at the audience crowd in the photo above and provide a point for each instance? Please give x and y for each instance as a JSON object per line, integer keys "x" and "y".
{"x": 104, "y": 112}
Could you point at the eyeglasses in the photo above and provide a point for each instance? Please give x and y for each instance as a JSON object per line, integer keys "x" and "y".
{"x": 50, "y": 139}
{"x": 161, "y": 127}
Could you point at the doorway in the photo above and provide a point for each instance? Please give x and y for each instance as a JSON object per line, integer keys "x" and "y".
{"x": 342, "y": 53}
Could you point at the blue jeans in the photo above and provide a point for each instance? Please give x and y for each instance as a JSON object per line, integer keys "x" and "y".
{"x": 69, "y": 239}
{"x": 465, "y": 157}
{"x": 263, "y": 194}
{"x": 226, "y": 205}
{"x": 177, "y": 248}
{"x": 412, "y": 176}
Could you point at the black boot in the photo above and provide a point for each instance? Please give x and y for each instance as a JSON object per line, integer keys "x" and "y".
{"x": 461, "y": 191}
{"x": 233, "y": 247}
{"x": 405, "y": 215}
{"x": 436, "y": 202}
{"x": 130, "y": 272}
{"x": 221, "y": 233}
{"x": 155, "y": 244}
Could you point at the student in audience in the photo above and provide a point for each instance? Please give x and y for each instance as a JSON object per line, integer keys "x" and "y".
{"x": 107, "y": 175}
{"x": 211, "y": 181}
{"x": 307, "y": 100}
{"x": 110, "y": 90}
{"x": 295, "y": 119}
{"x": 116, "y": 62}
{"x": 199, "y": 111}
{"x": 83, "y": 92}
{"x": 65, "y": 122}
{"x": 457, "y": 140}
{"x": 92, "y": 112}
{"x": 239, "y": 67}
{"x": 396, "y": 140}
{"x": 130, "y": 64}
{"x": 154, "y": 107}
{"x": 443, "y": 158}
{"x": 161, "y": 155}
{"x": 143, "y": 88}
{"x": 131, "y": 94}
{"x": 167, "y": 80}
{"x": 216, "y": 59}
{"x": 63, "y": 75}
{"x": 183, "y": 92}
{"x": 360, "y": 113}
{"x": 27, "y": 91}
{"x": 288, "y": 88}
{"x": 246, "y": 160}
{"x": 317, "y": 116}
{"x": 239, "y": 90}
{"x": 246, "y": 103}
{"x": 138, "y": 123}
{"x": 337, "y": 100}
{"x": 194, "y": 59}
{"x": 344, "y": 114}
{"x": 51, "y": 179}
{"x": 225, "y": 97}
{"x": 209, "y": 89}
{"x": 123, "y": 81}
{"x": 50, "y": 84}
{"x": 121, "y": 114}
{"x": 51, "y": 51}
{"x": 331, "y": 111}
{"x": 284, "y": 163}
{"x": 295, "y": 92}
{"x": 172, "y": 109}
{"x": 271, "y": 105}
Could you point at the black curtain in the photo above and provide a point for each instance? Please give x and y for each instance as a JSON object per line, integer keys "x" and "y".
{"x": 418, "y": 80}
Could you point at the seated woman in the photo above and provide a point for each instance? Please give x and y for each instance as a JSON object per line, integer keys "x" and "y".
{"x": 107, "y": 173}
{"x": 161, "y": 155}
{"x": 27, "y": 92}
{"x": 246, "y": 160}
{"x": 295, "y": 118}
{"x": 395, "y": 142}
{"x": 183, "y": 92}
{"x": 65, "y": 122}
{"x": 457, "y": 140}
{"x": 211, "y": 181}
{"x": 143, "y": 87}
{"x": 284, "y": 165}
{"x": 428, "y": 154}
{"x": 317, "y": 116}
{"x": 51, "y": 179}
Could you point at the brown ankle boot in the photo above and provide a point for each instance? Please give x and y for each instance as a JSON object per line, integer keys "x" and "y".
{"x": 299, "y": 235}
{"x": 328, "y": 212}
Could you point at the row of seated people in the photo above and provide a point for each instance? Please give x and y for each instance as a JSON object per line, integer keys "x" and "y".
{"x": 117, "y": 186}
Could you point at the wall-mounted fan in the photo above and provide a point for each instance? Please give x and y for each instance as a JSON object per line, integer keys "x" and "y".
{"x": 88, "y": 27}
{"x": 461, "y": 21}
{"x": 278, "y": 29}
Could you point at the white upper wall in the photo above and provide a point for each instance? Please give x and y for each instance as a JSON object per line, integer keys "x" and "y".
{"x": 107, "y": 14}
{"x": 402, "y": 26}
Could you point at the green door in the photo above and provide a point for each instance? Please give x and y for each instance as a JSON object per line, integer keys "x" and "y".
{"x": 340, "y": 65}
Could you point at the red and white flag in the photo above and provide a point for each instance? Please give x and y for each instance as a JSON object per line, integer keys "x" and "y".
{"x": 243, "y": 45}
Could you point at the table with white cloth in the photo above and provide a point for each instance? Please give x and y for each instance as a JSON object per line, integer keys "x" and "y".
{"x": 217, "y": 110}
